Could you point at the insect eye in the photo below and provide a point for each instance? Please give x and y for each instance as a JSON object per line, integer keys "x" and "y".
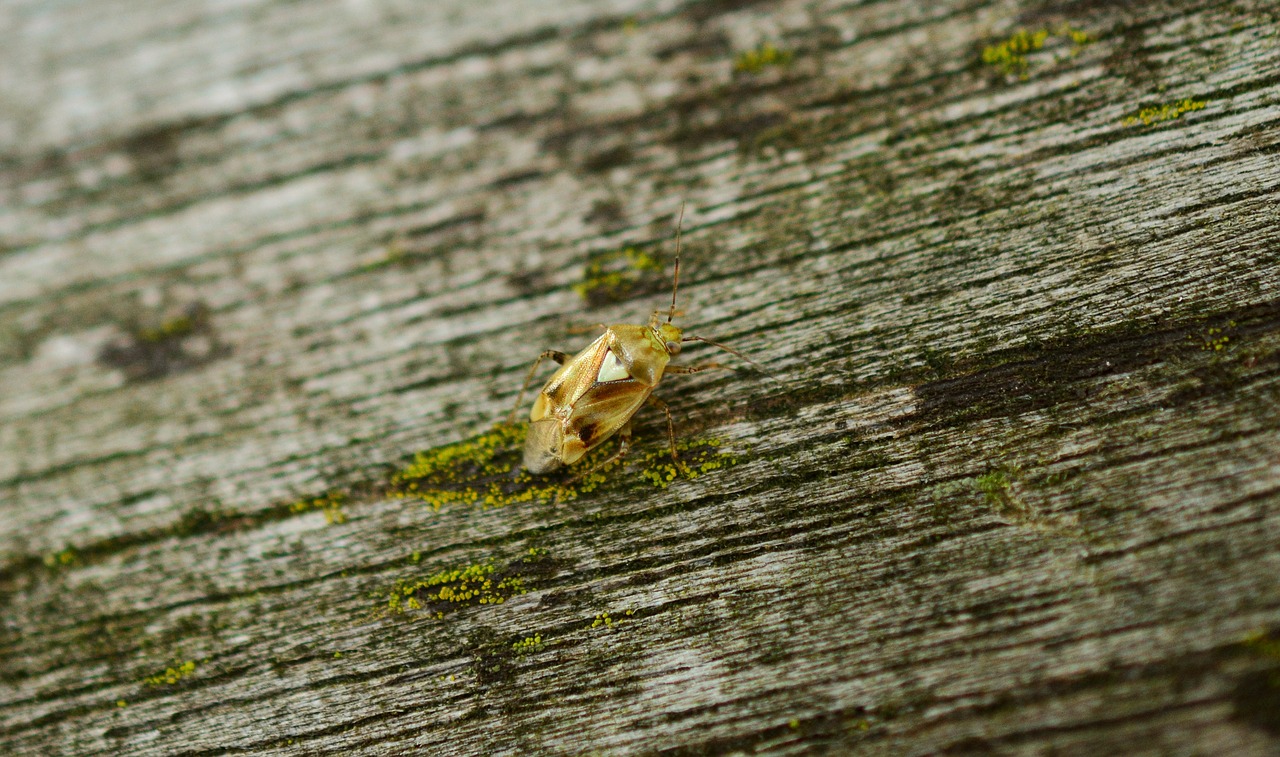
{"x": 673, "y": 348}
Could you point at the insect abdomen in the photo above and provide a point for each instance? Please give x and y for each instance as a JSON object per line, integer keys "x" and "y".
{"x": 542, "y": 446}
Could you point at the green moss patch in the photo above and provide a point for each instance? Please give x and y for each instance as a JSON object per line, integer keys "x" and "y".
{"x": 615, "y": 275}
{"x": 995, "y": 488}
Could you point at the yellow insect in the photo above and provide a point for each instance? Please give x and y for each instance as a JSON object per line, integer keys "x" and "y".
{"x": 596, "y": 392}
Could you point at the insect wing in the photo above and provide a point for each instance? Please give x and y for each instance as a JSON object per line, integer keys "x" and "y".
{"x": 605, "y": 408}
{"x": 574, "y": 378}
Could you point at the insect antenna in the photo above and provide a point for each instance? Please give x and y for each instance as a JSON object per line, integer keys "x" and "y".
{"x": 675, "y": 285}
{"x": 735, "y": 353}
{"x": 726, "y": 348}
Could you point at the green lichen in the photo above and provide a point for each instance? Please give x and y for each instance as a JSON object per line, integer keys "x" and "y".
{"x": 171, "y": 328}
{"x": 329, "y": 503}
{"x": 200, "y": 520}
{"x": 1078, "y": 37}
{"x": 452, "y": 589}
{"x": 1261, "y": 690}
{"x": 158, "y": 346}
{"x": 697, "y": 457}
{"x": 1166, "y": 112}
{"x": 1009, "y": 56}
{"x": 482, "y": 470}
{"x": 528, "y": 645}
{"x": 605, "y": 620}
{"x": 396, "y": 253}
{"x": 485, "y": 471}
{"x": 615, "y": 275}
{"x": 765, "y": 56}
{"x": 172, "y": 675}
{"x": 63, "y": 558}
{"x": 481, "y": 583}
{"x": 1213, "y": 338}
{"x": 1261, "y": 644}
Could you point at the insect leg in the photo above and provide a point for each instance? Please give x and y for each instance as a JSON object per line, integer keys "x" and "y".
{"x": 555, "y": 355}
{"x": 671, "y": 432}
{"x": 587, "y": 329}
{"x": 731, "y": 351}
{"x": 726, "y": 348}
{"x": 694, "y": 368}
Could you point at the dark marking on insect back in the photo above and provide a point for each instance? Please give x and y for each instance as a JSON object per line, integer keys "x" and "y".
{"x": 587, "y": 433}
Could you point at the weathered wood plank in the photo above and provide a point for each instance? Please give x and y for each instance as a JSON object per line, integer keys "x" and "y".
{"x": 1010, "y": 487}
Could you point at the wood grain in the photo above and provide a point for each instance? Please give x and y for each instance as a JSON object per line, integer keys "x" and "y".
{"x": 1009, "y": 484}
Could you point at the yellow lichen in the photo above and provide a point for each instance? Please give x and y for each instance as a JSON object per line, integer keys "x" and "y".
{"x": 329, "y": 503}
{"x": 172, "y": 675}
{"x": 765, "y": 56}
{"x": 485, "y": 471}
{"x": 697, "y": 457}
{"x": 528, "y": 645}
{"x": 476, "y": 584}
{"x": 1009, "y": 56}
{"x": 171, "y": 328}
{"x": 1161, "y": 113}
{"x": 605, "y": 620}
{"x": 476, "y": 471}
{"x": 1214, "y": 338}
{"x": 62, "y": 558}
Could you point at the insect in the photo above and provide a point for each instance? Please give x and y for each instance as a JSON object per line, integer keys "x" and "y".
{"x": 596, "y": 393}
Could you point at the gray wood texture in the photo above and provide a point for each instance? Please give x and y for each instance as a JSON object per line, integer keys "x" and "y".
{"x": 1009, "y": 486}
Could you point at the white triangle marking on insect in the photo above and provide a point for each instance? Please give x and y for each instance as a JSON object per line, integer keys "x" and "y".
{"x": 612, "y": 369}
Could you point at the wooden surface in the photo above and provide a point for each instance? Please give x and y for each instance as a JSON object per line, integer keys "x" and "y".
{"x": 1011, "y": 485}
